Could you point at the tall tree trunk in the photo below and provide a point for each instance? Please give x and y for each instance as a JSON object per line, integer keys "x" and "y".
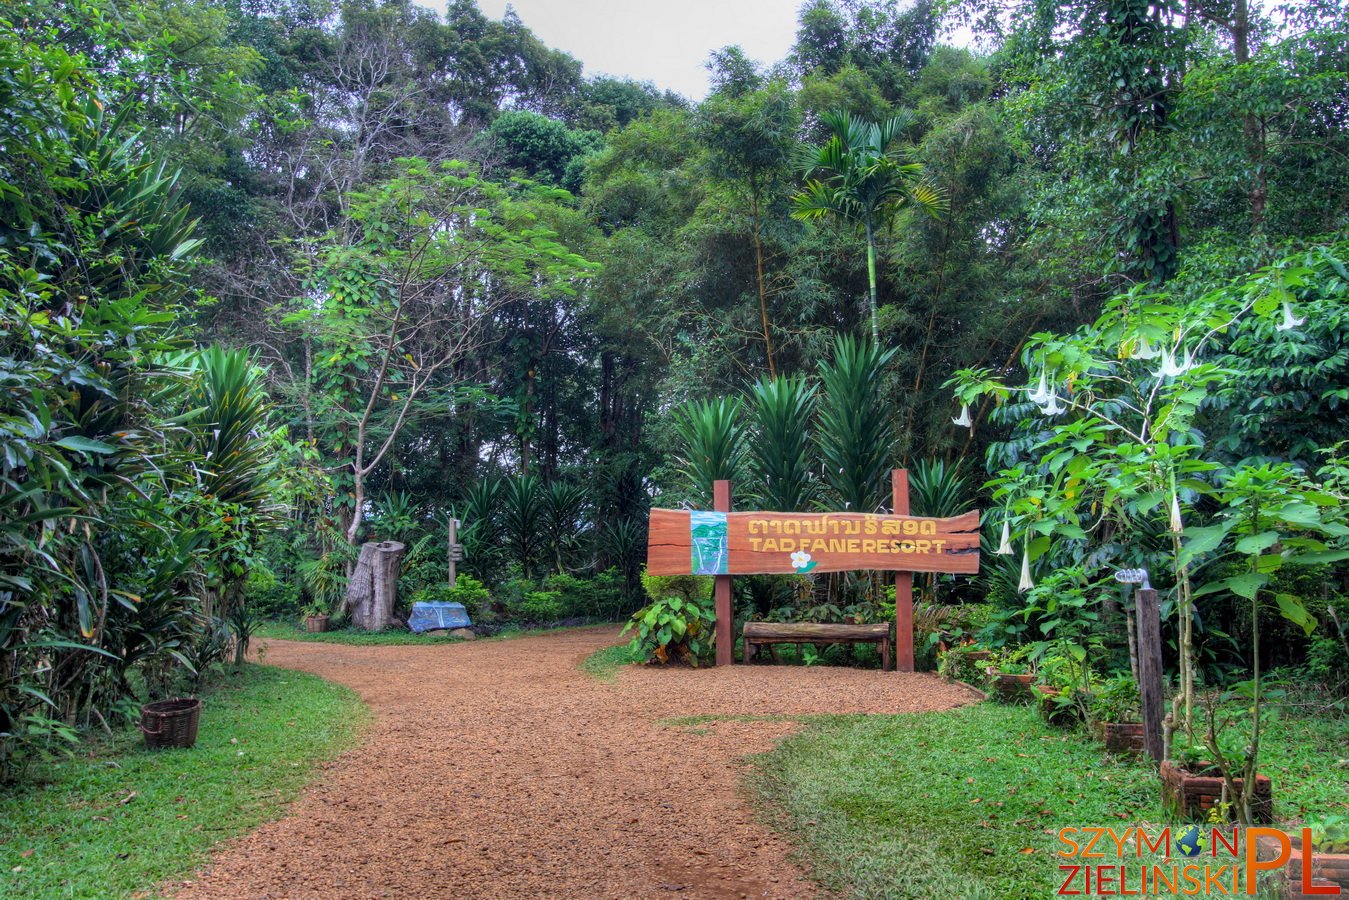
{"x": 1251, "y": 129}
{"x": 871, "y": 282}
{"x": 763, "y": 288}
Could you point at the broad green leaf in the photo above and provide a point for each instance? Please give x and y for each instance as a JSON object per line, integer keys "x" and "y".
{"x": 1291, "y": 608}
{"x": 1254, "y": 543}
{"x": 1247, "y": 585}
{"x": 87, "y": 445}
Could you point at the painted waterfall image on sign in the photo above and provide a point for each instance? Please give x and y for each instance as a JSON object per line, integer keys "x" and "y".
{"x": 764, "y": 543}
{"x": 707, "y": 535}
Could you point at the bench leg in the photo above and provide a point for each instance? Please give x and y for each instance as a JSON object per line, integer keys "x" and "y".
{"x": 749, "y": 652}
{"x": 773, "y": 653}
{"x": 885, "y": 655}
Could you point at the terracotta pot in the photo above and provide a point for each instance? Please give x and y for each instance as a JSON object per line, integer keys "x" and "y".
{"x": 977, "y": 655}
{"x": 1191, "y": 796}
{"x": 1012, "y": 687}
{"x": 1122, "y": 737}
{"x": 315, "y": 624}
{"x": 1328, "y": 869}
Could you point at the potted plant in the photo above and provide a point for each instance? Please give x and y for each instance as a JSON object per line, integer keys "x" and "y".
{"x": 1011, "y": 675}
{"x": 1065, "y": 680}
{"x": 315, "y": 617}
{"x": 1195, "y": 788}
{"x": 961, "y": 663}
{"x": 1116, "y": 711}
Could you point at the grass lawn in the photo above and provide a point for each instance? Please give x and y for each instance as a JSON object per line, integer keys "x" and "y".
{"x": 288, "y": 631}
{"x": 117, "y": 819}
{"x": 603, "y": 665}
{"x": 967, "y": 803}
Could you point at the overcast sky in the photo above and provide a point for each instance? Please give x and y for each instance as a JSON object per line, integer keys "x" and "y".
{"x": 662, "y": 41}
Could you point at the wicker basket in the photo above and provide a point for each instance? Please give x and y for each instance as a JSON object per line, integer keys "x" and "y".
{"x": 171, "y": 723}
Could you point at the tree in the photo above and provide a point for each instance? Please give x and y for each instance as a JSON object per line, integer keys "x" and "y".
{"x": 749, "y": 137}
{"x": 393, "y": 309}
{"x": 860, "y": 178}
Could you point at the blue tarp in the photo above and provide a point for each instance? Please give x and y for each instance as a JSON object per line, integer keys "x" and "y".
{"x": 436, "y": 615}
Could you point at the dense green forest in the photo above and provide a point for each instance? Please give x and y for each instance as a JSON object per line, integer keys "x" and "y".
{"x": 281, "y": 276}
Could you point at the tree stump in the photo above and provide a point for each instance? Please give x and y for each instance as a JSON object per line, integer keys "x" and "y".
{"x": 372, "y": 589}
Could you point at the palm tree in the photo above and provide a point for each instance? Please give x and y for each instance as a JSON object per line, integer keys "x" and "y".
{"x": 859, "y": 178}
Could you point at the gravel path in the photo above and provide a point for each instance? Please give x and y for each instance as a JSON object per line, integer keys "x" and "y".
{"x": 499, "y": 769}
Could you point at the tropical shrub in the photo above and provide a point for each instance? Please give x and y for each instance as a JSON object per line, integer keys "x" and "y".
{"x": 713, "y": 442}
{"x": 538, "y": 607}
{"x": 268, "y": 596}
{"x": 678, "y": 624}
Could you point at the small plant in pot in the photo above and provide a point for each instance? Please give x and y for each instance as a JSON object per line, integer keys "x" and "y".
{"x": 964, "y": 662}
{"x": 1116, "y": 711}
{"x": 1011, "y": 674}
{"x": 315, "y": 617}
{"x": 1065, "y": 681}
{"x": 1218, "y": 773}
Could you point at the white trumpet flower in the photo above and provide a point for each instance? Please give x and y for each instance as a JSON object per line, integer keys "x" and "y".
{"x": 1052, "y": 408}
{"x": 1289, "y": 322}
{"x": 1170, "y": 367}
{"x": 1041, "y": 393}
{"x": 1026, "y": 583}
{"x": 1005, "y": 546}
{"x": 964, "y": 418}
{"x": 1177, "y": 526}
{"x": 1144, "y": 350}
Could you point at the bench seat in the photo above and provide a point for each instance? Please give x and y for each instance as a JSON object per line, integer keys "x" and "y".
{"x": 819, "y": 633}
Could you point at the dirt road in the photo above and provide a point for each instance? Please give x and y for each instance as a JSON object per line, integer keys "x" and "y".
{"x": 499, "y": 769}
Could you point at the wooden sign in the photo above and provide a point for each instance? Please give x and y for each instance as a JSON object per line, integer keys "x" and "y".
{"x": 681, "y": 542}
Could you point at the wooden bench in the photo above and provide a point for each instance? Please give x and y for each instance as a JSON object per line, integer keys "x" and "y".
{"x": 772, "y": 633}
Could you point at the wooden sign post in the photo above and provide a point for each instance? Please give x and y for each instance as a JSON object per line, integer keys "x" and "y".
{"x": 721, "y": 502}
{"x": 899, "y": 487}
{"x": 724, "y": 543}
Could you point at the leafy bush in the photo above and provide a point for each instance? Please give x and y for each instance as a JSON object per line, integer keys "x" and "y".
{"x": 673, "y": 629}
{"x": 268, "y": 596}
{"x": 1115, "y": 700}
{"x": 539, "y": 607}
{"x": 688, "y": 588}
{"x": 473, "y": 594}
{"x": 678, "y": 622}
{"x": 597, "y": 597}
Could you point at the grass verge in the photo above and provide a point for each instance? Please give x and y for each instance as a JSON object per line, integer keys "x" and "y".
{"x": 967, "y": 803}
{"x": 603, "y": 665}
{"x": 118, "y": 819}
{"x": 286, "y": 631}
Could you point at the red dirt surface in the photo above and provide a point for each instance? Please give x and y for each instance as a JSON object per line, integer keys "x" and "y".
{"x": 499, "y": 769}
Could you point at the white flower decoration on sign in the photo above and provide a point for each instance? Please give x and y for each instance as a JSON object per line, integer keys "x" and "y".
{"x": 800, "y": 559}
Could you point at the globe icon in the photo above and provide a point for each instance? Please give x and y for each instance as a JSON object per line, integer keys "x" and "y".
{"x": 1191, "y": 842}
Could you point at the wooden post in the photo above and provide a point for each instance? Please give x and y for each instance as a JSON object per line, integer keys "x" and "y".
{"x": 1150, "y": 689}
{"x": 453, "y": 553}
{"x": 721, "y": 502}
{"x": 899, "y": 486}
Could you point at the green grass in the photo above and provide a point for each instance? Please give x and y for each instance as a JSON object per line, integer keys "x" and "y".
{"x": 967, "y": 803}
{"x": 287, "y": 631}
{"x": 603, "y": 665}
{"x": 117, "y": 819}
